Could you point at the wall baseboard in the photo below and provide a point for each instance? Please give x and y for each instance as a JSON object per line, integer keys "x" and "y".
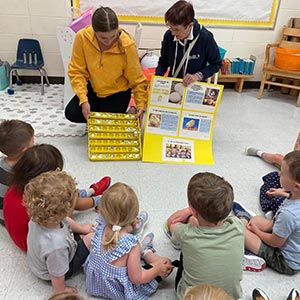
{"x": 60, "y": 80}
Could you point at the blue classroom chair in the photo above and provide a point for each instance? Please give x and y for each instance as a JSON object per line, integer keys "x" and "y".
{"x": 29, "y": 57}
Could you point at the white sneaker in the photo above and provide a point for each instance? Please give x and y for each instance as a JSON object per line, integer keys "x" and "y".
{"x": 147, "y": 244}
{"x": 143, "y": 218}
{"x": 259, "y": 294}
{"x": 293, "y": 295}
{"x": 253, "y": 263}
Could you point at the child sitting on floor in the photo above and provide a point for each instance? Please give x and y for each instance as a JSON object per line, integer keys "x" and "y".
{"x": 211, "y": 242}
{"x": 113, "y": 268}
{"x": 278, "y": 240}
{"x": 54, "y": 252}
{"x": 15, "y": 137}
{"x": 34, "y": 161}
{"x": 271, "y": 193}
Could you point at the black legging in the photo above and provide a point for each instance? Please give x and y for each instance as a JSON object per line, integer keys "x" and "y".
{"x": 115, "y": 103}
{"x": 179, "y": 265}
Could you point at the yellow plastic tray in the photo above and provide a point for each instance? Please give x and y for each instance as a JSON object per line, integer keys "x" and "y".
{"x": 113, "y": 143}
{"x": 114, "y": 137}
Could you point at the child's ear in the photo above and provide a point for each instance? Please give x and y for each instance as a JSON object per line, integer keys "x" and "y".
{"x": 297, "y": 186}
{"x": 194, "y": 212}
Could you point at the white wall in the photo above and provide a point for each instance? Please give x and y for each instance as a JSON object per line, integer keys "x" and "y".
{"x": 39, "y": 18}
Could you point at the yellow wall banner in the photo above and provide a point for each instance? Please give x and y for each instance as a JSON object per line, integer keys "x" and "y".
{"x": 179, "y": 121}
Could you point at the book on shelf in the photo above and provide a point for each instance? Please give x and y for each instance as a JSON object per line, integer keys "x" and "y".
{"x": 238, "y": 65}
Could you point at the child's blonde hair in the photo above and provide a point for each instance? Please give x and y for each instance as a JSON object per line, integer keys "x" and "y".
{"x": 50, "y": 196}
{"x": 119, "y": 207}
{"x": 205, "y": 292}
{"x": 65, "y": 296}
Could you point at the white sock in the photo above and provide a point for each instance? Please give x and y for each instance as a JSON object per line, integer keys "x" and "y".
{"x": 90, "y": 192}
{"x": 259, "y": 153}
{"x": 87, "y": 192}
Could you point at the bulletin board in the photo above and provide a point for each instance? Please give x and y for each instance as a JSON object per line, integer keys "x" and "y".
{"x": 213, "y": 13}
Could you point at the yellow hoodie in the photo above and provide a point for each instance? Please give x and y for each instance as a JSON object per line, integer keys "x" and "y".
{"x": 110, "y": 71}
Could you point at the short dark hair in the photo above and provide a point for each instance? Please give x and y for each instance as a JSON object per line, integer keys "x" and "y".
{"x": 34, "y": 161}
{"x": 104, "y": 20}
{"x": 293, "y": 161}
{"x": 181, "y": 13}
{"x": 211, "y": 196}
{"x": 15, "y": 136}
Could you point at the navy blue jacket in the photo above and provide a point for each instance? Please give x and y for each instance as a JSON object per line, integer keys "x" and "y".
{"x": 204, "y": 51}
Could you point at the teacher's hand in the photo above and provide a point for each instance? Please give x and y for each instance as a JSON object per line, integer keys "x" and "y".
{"x": 140, "y": 115}
{"x": 86, "y": 110}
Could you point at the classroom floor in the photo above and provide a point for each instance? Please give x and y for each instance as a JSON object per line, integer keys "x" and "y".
{"x": 242, "y": 120}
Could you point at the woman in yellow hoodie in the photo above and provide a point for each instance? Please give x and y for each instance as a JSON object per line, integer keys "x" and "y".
{"x": 104, "y": 69}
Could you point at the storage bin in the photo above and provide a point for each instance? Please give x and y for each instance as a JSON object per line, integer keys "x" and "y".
{"x": 4, "y": 77}
{"x": 84, "y": 20}
{"x": 222, "y": 52}
{"x": 287, "y": 59}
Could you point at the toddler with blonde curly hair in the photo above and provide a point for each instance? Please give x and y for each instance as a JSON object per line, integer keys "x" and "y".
{"x": 54, "y": 252}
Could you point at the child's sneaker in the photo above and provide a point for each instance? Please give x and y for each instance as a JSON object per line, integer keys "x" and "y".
{"x": 269, "y": 215}
{"x": 169, "y": 235}
{"x": 142, "y": 221}
{"x": 253, "y": 263}
{"x": 259, "y": 294}
{"x": 251, "y": 151}
{"x": 100, "y": 186}
{"x": 293, "y": 295}
{"x": 147, "y": 244}
{"x": 241, "y": 212}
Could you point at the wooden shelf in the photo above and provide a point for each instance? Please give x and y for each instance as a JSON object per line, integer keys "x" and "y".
{"x": 239, "y": 80}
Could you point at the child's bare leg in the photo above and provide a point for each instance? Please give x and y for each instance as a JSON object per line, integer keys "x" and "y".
{"x": 262, "y": 223}
{"x": 272, "y": 158}
{"x": 87, "y": 239}
{"x": 252, "y": 241}
{"x": 153, "y": 259}
{"x": 84, "y": 203}
{"x": 297, "y": 143}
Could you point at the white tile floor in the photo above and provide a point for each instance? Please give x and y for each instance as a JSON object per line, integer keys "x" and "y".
{"x": 242, "y": 121}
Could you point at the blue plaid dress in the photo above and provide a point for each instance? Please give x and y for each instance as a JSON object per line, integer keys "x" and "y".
{"x": 108, "y": 281}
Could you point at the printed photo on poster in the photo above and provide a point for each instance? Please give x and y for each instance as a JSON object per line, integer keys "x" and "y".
{"x": 201, "y": 97}
{"x": 211, "y": 96}
{"x": 178, "y": 150}
{"x": 176, "y": 93}
{"x": 160, "y": 91}
{"x": 196, "y": 125}
{"x": 162, "y": 121}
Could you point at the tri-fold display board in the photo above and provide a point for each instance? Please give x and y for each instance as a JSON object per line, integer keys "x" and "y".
{"x": 179, "y": 121}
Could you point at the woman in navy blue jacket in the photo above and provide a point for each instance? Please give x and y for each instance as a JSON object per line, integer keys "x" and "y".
{"x": 187, "y": 36}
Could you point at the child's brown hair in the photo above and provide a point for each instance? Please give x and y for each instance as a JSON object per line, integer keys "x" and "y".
{"x": 34, "y": 161}
{"x": 211, "y": 196}
{"x": 15, "y": 136}
{"x": 293, "y": 161}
